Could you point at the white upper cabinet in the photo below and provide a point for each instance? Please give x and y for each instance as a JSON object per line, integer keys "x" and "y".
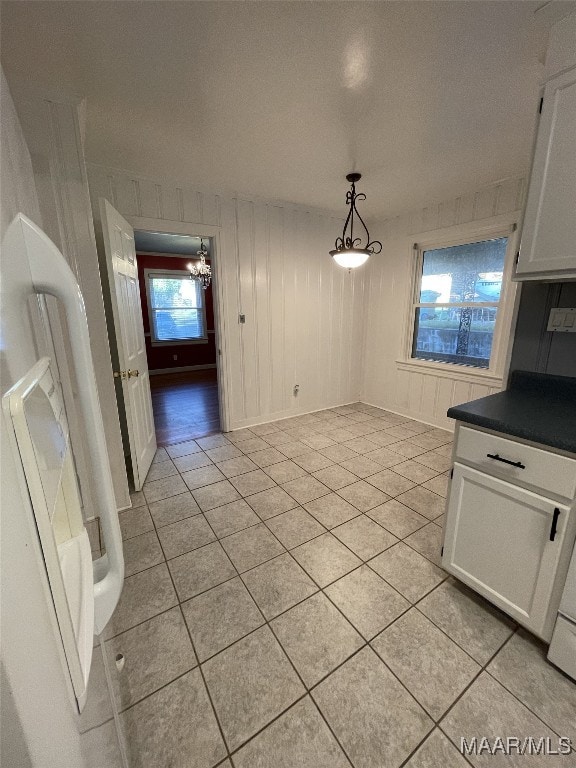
{"x": 548, "y": 245}
{"x": 561, "y": 53}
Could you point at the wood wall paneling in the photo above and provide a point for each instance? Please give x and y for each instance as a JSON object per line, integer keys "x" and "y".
{"x": 304, "y": 315}
{"x": 337, "y": 335}
{"x": 421, "y": 394}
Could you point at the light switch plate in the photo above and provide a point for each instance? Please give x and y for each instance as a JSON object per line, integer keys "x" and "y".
{"x": 562, "y": 319}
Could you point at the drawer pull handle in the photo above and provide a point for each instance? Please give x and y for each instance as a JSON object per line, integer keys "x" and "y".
{"x": 506, "y": 461}
{"x": 554, "y": 525}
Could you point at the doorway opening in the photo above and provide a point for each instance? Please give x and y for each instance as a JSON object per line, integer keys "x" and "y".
{"x": 180, "y": 333}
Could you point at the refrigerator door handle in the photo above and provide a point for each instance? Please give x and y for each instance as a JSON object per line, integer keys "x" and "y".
{"x": 52, "y": 275}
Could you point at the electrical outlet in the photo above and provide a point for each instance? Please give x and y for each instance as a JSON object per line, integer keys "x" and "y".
{"x": 174, "y": 357}
{"x": 296, "y": 390}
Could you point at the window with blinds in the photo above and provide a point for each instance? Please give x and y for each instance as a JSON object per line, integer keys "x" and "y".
{"x": 176, "y": 307}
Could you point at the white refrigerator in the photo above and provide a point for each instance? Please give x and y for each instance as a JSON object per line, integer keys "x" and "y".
{"x": 57, "y": 711}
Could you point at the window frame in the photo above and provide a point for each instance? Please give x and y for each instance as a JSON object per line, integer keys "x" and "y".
{"x": 499, "y": 355}
{"x": 151, "y": 273}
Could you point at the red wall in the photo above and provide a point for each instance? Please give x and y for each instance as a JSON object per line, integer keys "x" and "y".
{"x": 188, "y": 354}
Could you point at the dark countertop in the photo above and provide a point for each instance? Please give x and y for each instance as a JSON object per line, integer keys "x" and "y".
{"x": 536, "y": 407}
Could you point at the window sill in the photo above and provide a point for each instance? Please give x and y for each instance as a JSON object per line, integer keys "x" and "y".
{"x": 450, "y": 371}
{"x": 179, "y": 343}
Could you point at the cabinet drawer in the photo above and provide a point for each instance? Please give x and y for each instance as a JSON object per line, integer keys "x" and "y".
{"x": 540, "y": 469}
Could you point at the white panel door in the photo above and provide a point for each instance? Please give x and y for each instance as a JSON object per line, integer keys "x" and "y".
{"x": 132, "y": 375}
{"x": 506, "y": 543}
{"x": 549, "y": 233}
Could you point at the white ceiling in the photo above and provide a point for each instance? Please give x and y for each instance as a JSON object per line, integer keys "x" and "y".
{"x": 282, "y": 99}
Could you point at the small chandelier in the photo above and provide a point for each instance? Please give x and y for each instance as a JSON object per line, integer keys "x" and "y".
{"x": 201, "y": 271}
{"x": 348, "y": 251}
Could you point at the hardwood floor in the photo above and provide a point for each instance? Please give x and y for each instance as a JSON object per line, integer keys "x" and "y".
{"x": 185, "y": 405}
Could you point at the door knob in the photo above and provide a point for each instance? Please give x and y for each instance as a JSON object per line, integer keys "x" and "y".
{"x": 132, "y": 373}
{"x": 120, "y": 374}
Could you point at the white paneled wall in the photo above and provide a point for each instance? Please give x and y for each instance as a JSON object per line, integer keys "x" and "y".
{"x": 388, "y": 383}
{"x": 339, "y": 336}
{"x": 304, "y": 315}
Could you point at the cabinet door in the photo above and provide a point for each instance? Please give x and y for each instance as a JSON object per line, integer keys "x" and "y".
{"x": 498, "y": 541}
{"x": 549, "y": 233}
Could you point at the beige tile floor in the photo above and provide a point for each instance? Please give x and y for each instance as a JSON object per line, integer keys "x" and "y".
{"x": 285, "y": 606}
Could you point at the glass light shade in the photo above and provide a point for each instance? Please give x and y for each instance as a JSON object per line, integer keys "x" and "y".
{"x": 350, "y": 258}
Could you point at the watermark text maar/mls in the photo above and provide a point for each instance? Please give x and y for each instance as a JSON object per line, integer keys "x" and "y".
{"x": 516, "y": 745}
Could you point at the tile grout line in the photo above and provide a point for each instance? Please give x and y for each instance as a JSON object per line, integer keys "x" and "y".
{"x": 440, "y": 629}
{"x": 200, "y": 664}
{"x": 309, "y": 690}
{"x": 499, "y": 682}
{"x": 437, "y": 722}
{"x": 366, "y": 643}
{"x": 265, "y": 521}
{"x": 484, "y": 668}
{"x": 261, "y": 521}
{"x": 267, "y": 623}
{"x": 398, "y": 440}
{"x": 200, "y": 670}
{"x": 238, "y": 573}
{"x": 320, "y": 589}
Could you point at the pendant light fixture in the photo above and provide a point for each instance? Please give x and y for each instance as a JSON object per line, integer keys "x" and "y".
{"x": 348, "y": 250}
{"x": 201, "y": 271}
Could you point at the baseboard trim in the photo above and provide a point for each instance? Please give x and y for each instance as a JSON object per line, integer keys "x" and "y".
{"x": 182, "y": 369}
{"x": 281, "y": 415}
{"x": 447, "y": 424}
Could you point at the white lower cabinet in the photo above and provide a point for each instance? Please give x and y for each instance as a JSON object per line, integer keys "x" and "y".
{"x": 562, "y": 651}
{"x": 509, "y": 544}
